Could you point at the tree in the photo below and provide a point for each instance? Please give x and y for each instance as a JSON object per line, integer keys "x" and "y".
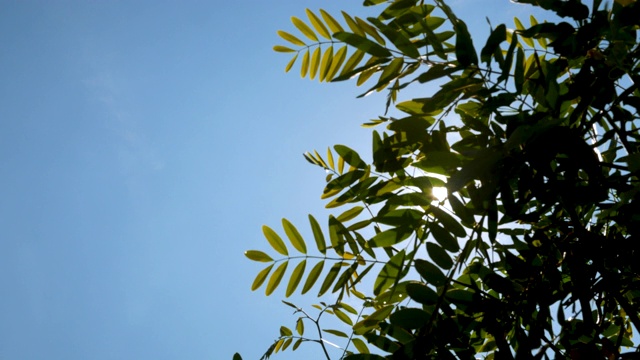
{"x": 533, "y": 251}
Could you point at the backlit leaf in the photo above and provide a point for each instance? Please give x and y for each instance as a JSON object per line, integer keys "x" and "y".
{"x": 318, "y": 25}
{"x": 521, "y": 27}
{"x": 325, "y": 64}
{"x": 360, "y": 346}
{"x": 294, "y": 236}
{"x": 352, "y": 62}
{"x": 304, "y": 68}
{"x": 275, "y": 240}
{"x": 313, "y": 276}
{"x": 285, "y": 331}
{"x": 290, "y": 38}
{"x": 352, "y": 25}
{"x": 295, "y": 278}
{"x": 370, "y": 30}
{"x": 283, "y": 49}
{"x": 261, "y": 277}
{"x": 315, "y": 63}
{"x": 300, "y": 327}
{"x": 275, "y": 278}
{"x": 342, "y": 316}
{"x": 336, "y": 62}
{"x": 330, "y": 278}
{"x": 306, "y": 30}
{"x": 256, "y": 255}
{"x": 317, "y": 234}
{"x": 330, "y": 159}
{"x": 350, "y": 214}
{"x": 334, "y": 26}
{"x": 336, "y": 333}
{"x": 290, "y": 64}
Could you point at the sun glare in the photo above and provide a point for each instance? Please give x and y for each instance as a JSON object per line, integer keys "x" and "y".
{"x": 439, "y": 192}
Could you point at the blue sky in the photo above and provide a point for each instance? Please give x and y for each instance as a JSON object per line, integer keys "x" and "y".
{"x": 142, "y": 146}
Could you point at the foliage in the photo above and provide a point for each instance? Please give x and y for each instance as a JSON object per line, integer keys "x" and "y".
{"x": 533, "y": 252}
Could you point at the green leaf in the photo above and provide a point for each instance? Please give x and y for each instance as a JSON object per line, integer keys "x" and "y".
{"x": 350, "y": 156}
{"x": 304, "y": 68}
{"x": 325, "y": 64}
{"x": 275, "y": 240}
{"x": 373, "y": 319}
{"x": 336, "y": 238}
{"x": 409, "y": 318}
{"x": 498, "y": 35}
{"x": 336, "y": 333}
{"x": 444, "y": 238}
{"x": 256, "y": 255}
{"x": 390, "y": 273}
{"x": 346, "y": 275}
{"x": 390, "y": 237}
{"x": 313, "y": 276}
{"x": 465, "y": 51}
{"x": 422, "y": 293}
{"x": 329, "y": 279}
{"x": 449, "y": 223}
{"x": 318, "y": 25}
{"x": 275, "y": 278}
{"x": 306, "y": 30}
{"x": 518, "y": 75}
{"x": 334, "y": 26}
{"x": 294, "y": 236}
{"x": 300, "y": 327}
{"x": 439, "y": 256}
{"x": 350, "y": 214}
{"x": 296, "y": 276}
{"x": 398, "y": 38}
{"x": 435, "y": 72}
{"x": 290, "y": 38}
{"x": 363, "y": 44}
{"x": 261, "y": 277}
{"x": 343, "y": 317}
{"x": 431, "y": 273}
{"x": 283, "y": 49}
{"x": 318, "y": 235}
{"x": 390, "y": 72}
{"x": 359, "y": 345}
{"x": 290, "y": 64}
{"x": 285, "y": 331}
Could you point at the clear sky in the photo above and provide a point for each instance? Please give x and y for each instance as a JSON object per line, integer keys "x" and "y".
{"x": 142, "y": 146}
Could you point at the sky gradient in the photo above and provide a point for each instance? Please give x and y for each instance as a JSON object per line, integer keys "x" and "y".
{"x": 142, "y": 146}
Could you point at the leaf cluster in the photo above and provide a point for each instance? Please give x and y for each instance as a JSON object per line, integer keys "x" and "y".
{"x": 532, "y": 254}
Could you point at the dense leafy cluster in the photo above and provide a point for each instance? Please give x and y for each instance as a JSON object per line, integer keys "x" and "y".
{"x": 533, "y": 252}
